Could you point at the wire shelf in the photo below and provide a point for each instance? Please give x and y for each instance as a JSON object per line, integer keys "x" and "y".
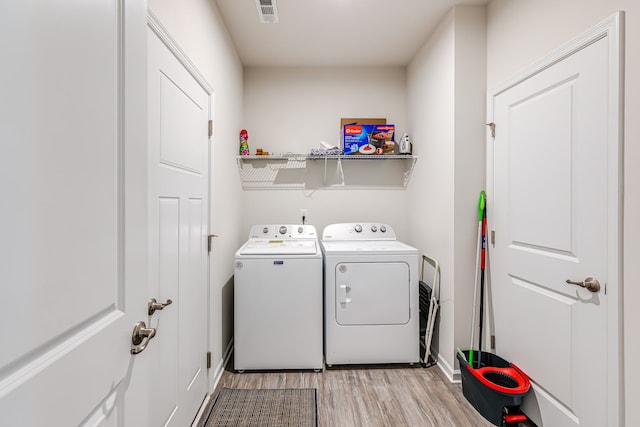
{"x": 300, "y": 171}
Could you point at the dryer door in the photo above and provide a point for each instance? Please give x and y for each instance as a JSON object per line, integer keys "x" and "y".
{"x": 372, "y": 293}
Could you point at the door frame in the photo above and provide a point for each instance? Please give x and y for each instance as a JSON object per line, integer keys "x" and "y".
{"x": 165, "y": 37}
{"x": 613, "y": 30}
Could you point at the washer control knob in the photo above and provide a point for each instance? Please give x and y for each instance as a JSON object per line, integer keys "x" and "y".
{"x": 283, "y": 229}
{"x": 358, "y": 228}
{"x": 300, "y": 230}
{"x": 383, "y": 229}
{"x": 265, "y": 230}
{"x": 374, "y": 228}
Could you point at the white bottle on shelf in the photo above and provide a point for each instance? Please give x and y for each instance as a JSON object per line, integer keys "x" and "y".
{"x": 405, "y": 144}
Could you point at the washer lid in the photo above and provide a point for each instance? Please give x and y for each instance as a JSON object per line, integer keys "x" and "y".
{"x": 354, "y": 247}
{"x": 279, "y": 247}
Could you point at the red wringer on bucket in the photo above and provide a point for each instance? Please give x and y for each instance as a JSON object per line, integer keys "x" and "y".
{"x": 492, "y": 385}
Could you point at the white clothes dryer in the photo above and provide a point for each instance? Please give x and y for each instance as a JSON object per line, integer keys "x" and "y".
{"x": 278, "y": 299}
{"x": 371, "y": 296}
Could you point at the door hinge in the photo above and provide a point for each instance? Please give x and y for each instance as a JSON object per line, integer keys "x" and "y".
{"x": 210, "y": 128}
{"x": 493, "y": 342}
{"x": 209, "y": 241}
{"x": 493, "y": 129}
{"x": 208, "y": 360}
{"x": 493, "y": 237}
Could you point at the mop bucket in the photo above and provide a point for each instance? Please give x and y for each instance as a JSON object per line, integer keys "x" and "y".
{"x": 494, "y": 389}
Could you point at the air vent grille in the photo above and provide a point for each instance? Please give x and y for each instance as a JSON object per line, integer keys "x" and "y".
{"x": 267, "y": 11}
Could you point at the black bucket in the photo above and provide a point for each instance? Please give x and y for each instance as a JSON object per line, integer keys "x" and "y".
{"x": 493, "y": 386}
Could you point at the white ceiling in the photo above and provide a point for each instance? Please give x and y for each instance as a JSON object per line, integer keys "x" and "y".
{"x": 334, "y": 33}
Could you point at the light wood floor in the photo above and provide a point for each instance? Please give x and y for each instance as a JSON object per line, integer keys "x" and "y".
{"x": 371, "y": 396}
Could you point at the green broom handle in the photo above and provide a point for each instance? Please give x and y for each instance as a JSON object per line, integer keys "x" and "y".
{"x": 481, "y": 206}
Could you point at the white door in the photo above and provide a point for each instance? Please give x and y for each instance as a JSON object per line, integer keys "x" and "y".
{"x": 73, "y": 216}
{"x": 370, "y": 293}
{"x": 556, "y": 208}
{"x": 178, "y": 186}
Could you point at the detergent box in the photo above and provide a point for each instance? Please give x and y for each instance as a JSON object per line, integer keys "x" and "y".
{"x": 369, "y": 139}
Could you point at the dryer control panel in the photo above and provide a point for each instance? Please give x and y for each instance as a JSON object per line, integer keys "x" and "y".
{"x": 359, "y": 231}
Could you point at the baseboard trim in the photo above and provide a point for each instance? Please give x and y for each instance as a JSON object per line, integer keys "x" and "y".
{"x": 203, "y": 412}
{"x": 453, "y": 375}
{"x": 223, "y": 363}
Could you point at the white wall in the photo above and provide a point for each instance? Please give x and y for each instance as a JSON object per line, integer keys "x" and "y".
{"x": 446, "y": 106}
{"x": 431, "y": 105}
{"x": 469, "y": 163}
{"x": 197, "y": 27}
{"x": 292, "y": 110}
{"x": 522, "y": 32}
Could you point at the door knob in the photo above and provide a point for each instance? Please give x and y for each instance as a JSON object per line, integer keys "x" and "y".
{"x": 141, "y": 335}
{"x": 154, "y": 305}
{"x": 589, "y": 283}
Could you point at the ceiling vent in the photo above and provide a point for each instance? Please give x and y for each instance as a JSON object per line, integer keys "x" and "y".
{"x": 267, "y": 11}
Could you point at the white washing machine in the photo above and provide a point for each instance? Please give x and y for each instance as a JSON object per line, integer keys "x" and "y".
{"x": 278, "y": 299}
{"x": 371, "y": 296}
